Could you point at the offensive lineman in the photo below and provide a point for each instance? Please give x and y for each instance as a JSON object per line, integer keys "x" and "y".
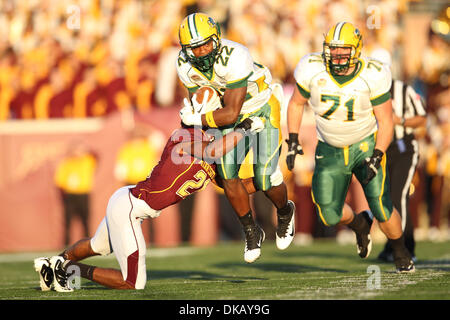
{"x": 186, "y": 166}
{"x": 353, "y": 111}
{"x": 246, "y": 89}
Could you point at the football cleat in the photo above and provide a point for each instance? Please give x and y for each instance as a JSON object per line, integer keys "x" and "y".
{"x": 404, "y": 265}
{"x": 42, "y": 266}
{"x": 389, "y": 257}
{"x": 60, "y": 282}
{"x": 254, "y": 237}
{"x": 363, "y": 240}
{"x": 286, "y": 228}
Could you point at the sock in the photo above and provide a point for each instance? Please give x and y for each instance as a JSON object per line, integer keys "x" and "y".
{"x": 247, "y": 220}
{"x": 359, "y": 223}
{"x": 398, "y": 247}
{"x": 86, "y": 271}
{"x": 285, "y": 210}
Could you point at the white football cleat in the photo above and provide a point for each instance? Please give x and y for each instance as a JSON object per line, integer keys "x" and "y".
{"x": 254, "y": 237}
{"x": 286, "y": 228}
{"x": 60, "y": 282}
{"x": 42, "y": 266}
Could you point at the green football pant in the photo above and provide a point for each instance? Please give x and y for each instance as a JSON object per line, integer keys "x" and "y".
{"x": 333, "y": 174}
{"x": 266, "y": 147}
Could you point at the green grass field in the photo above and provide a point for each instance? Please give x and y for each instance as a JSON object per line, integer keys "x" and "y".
{"x": 324, "y": 270}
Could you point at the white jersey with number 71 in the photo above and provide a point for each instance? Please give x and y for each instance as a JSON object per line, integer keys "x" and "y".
{"x": 343, "y": 105}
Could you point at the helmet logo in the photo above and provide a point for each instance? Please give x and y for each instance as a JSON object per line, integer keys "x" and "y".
{"x": 357, "y": 33}
{"x": 211, "y": 22}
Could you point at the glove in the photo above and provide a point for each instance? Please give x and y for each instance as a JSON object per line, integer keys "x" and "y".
{"x": 294, "y": 148}
{"x": 372, "y": 164}
{"x": 251, "y": 125}
{"x": 188, "y": 117}
{"x": 257, "y": 124}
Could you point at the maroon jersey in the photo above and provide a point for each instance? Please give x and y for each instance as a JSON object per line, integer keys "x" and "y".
{"x": 176, "y": 176}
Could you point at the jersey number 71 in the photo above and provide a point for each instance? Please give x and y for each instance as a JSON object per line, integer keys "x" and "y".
{"x": 336, "y": 104}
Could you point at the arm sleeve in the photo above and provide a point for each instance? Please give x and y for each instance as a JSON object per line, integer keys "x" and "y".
{"x": 302, "y": 77}
{"x": 240, "y": 68}
{"x": 380, "y": 85}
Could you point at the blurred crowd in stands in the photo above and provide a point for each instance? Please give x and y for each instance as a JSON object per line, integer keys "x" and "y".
{"x": 89, "y": 58}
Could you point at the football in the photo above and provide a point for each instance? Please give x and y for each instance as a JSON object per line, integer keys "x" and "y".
{"x": 212, "y": 102}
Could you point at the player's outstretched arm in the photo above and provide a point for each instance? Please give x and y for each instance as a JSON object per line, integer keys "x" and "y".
{"x": 218, "y": 148}
{"x": 211, "y": 150}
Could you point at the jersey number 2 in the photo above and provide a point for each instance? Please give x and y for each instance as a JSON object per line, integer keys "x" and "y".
{"x": 201, "y": 182}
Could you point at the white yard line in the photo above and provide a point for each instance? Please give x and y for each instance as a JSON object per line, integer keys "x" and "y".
{"x": 345, "y": 287}
{"x": 151, "y": 253}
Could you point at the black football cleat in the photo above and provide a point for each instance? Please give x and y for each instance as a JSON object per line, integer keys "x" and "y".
{"x": 254, "y": 237}
{"x": 363, "y": 239}
{"x": 404, "y": 265}
{"x": 286, "y": 228}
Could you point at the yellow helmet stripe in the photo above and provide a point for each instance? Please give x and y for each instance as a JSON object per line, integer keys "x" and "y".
{"x": 337, "y": 31}
{"x": 192, "y": 27}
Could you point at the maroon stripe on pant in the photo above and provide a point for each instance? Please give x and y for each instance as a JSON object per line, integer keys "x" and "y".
{"x": 133, "y": 259}
{"x": 132, "y": 263}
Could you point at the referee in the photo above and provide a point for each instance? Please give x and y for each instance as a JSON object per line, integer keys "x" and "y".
{"x": 402, "y": 157}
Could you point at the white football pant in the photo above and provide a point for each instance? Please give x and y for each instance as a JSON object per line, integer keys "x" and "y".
{"x": 120, "y": 232}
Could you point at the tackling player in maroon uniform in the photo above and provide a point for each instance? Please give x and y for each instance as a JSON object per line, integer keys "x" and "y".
{"x": 177, "y": 174}
{"x": 186, "y": 166}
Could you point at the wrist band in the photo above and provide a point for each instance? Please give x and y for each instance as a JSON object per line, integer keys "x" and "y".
{"x": 210, "y": 120}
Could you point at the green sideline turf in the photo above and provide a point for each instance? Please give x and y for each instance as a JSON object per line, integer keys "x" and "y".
{"x": 324, "y": 270}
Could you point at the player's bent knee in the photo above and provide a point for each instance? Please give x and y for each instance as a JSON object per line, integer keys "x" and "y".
{"x": 262, "y": 183}
{"x": 328, "y": 215}
{"x": 99, "y": 243}
{"x": 132, "y": 286}
{"x": 139, "y": 286}
{"x": 382, "y": 211}
{"x": 276, "y": 178}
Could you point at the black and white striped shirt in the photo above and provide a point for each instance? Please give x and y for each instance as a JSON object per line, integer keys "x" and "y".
{"x": 406, "y": 104}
